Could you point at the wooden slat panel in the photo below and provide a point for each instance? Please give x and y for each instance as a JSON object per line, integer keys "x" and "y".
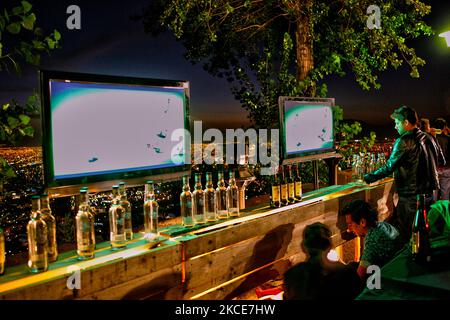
{"x": 101, "y": 277}
{"x": 224, "y": 237}
{"x": 240, "y": 285}
{"x": 163, "y": 284}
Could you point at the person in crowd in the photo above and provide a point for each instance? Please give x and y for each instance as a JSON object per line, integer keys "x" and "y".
{"x": 381, "y": 239}
{"x": 414, "y": 160}
{"x": 443, "y": 170}
{"x": 424, "y": 125}
{"x": 318, "y": 277}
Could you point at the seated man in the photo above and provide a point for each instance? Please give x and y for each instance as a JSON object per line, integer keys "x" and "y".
{"x": 381, "y": 240}
{"x": 318, "y": 277}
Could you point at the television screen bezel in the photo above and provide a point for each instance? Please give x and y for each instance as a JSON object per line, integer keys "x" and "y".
{"x": 98, "y": 182}
{"x": 306, "y": 101}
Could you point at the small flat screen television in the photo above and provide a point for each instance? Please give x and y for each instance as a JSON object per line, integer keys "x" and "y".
{"x": 102, "y": 128}
{"x": 306, "y": 126}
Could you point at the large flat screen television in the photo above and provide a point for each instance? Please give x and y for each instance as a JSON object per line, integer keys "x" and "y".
{"x": 100, "y": 128}
{"x": 306, "y": 126}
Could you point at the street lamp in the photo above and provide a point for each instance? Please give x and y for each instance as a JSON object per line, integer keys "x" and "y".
{"x": 446, "y": 36}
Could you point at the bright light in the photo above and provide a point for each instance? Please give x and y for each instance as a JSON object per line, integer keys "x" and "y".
{"x": 333, "y": 255}
{"x": 446, "y": 36}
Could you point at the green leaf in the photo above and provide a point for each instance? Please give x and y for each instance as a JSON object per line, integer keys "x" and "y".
{"x": 1, "y": 46}
{"x": 14, "y": 28}
{"x": 10, "y": 173}
{"x": 26, "y": 6}
{"x": 17, "y": 10}
{"x": 29, "y": 131}
{"x": 31, "y": 100}
{"x": 24, "y": 119}
{"x": 13, "y": 122}
{"x": 39, "y": 45}
{"x": 50, "y": 43}
{"x": 56, "y": 35}
{"x": 6, "y": 15}
{"x": 28, "y": 21}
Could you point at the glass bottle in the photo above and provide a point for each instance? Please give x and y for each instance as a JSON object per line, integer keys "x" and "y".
{"x": 117, "y": 221}
{"x": 355, "y": 168}
{"x": 127, "y": 206}
{"x": 151, "y": 209}
{"x": 291, "y": 184}
{"x": 2, "y": 252}
{"x": 221, "y": 197}
{"x": 284, "y": 187}
{"x": 49, "y": 219}
{"x": 198, "y": 201}
{"x": 210, "y": 207}
{"x": 232, "y": 196}
{"x": 37, "y": 239}
{"x": 372, "y": 163}
{"x": 359, "y": 169}
{"x": 187, "y": 219}
{"x": 297, "y": 183}
{"x": 420, "y": 241}
{"x": 84, "y": 222}
{"x": 275, "y": 192}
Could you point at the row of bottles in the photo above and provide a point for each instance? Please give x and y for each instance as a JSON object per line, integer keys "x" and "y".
{"x": 362, "y": 164}
{"x": 286, "y": 186}
{"x": 41, "y": 229}
{"x": 208, "y": 205}
{"x": 120, "y": 223}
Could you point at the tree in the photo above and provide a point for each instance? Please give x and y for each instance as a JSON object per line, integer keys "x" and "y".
{"x": 268, "y": 48}
{"x": 21, "y": 41}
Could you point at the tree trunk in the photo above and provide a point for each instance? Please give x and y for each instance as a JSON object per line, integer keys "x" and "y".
{"x": 304, "y": 46}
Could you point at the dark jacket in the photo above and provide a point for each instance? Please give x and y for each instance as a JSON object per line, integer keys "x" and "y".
{"x": 444, "y": 142}
{"x": 414, "y": 161}
{"x": 311, "y": 280}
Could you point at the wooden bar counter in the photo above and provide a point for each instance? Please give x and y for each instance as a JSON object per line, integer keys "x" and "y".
{"x": 213, "y": 261}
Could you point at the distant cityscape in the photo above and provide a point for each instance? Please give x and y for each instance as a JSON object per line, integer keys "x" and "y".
{"x": 15, "y": 205}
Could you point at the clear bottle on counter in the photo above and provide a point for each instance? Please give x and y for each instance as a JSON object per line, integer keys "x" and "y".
{"x": 127, "y": 206}
{"x": 84, "y": 222}
{"x": 198, "y": 201}
{"x": 221, "y": 197}
{"x": 187, "y": 218}
{"x": 359, "y": 169}
{"x": 372, "y": 163}
{"x": 150, "y": 212}
{"x": 232, "y": 196}
{"x": 210, "y": 207}
{"x": 117, "y": 221}
{"x": 49, "y": 219}
{"x": 37, "y": 239}
{"x": 354, "y": 168}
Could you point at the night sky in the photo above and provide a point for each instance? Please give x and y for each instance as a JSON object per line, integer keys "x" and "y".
{"x": 109, "y": 42}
